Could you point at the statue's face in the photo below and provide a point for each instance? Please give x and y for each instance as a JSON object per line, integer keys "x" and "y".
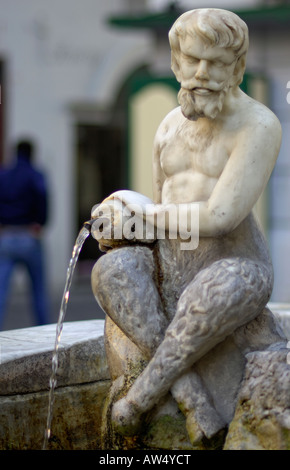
{"x": 205, "y": 73}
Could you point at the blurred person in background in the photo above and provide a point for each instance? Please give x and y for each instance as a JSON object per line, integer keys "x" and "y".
{"x": 23, "y": 214}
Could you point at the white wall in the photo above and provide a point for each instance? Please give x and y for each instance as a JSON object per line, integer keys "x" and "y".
{"x": 59, "y": 53}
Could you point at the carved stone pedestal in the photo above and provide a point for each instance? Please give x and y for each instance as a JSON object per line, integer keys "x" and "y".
{"x": 246, "y": 376}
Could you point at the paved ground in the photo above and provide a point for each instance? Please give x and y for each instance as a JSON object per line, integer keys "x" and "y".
{"x": 81, "y": 306}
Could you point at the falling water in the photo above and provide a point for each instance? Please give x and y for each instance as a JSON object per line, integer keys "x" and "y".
{"x": 84, "y": 233}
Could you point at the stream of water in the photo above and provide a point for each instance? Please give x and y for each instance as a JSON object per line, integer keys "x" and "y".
{"x": 82, "y": 236}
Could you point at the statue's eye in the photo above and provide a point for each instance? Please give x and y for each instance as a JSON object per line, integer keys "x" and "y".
{"x": 219, "y": 63}
{"x": 192, "y": 60}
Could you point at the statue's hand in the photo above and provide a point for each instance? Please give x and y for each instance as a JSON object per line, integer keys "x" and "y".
{"x": 117, "y": 224}
{"x": 107, "y": 228}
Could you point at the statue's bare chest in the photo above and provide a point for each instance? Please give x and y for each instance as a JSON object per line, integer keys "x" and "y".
{"x": 188, "y": 148}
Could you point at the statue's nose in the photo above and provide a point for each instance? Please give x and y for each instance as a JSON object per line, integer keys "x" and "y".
{"x": 202, "y": 72}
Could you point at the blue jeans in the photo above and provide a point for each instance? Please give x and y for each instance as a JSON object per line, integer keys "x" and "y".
{"x": 22, "y": 248}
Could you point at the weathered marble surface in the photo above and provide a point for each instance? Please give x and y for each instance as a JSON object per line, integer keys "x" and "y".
{"x": 262, "y": 415}
{"x": 221, "y": 371}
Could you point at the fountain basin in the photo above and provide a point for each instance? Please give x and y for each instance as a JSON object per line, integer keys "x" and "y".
{"x": 83, "y": 383}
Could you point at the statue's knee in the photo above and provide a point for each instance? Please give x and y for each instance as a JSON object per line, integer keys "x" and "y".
{"x": 98, "y": 273}
{"x": 119, "y": 265}
{"x": 104, "y": 270}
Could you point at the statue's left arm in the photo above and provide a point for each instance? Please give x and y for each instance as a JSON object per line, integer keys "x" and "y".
{"x": 243, "y": 179}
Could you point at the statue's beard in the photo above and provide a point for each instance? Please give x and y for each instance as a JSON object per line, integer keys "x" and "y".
{"x": 194, "y": 106}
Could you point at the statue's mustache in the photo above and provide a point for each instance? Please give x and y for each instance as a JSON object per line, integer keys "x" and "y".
{"x": 211, "y": 86}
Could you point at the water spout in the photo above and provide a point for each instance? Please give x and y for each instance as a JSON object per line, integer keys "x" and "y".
{"x": 88, "y": 224}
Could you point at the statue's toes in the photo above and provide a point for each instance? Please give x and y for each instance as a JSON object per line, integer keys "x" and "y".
{"x": 125, "y": 418}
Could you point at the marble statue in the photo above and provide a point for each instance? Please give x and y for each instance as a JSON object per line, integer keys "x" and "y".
{"x": 215, "y": 151}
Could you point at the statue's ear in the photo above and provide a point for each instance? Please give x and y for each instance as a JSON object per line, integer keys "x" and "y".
{"x": 239, "y": 70}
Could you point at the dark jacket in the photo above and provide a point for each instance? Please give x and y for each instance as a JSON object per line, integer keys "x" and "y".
{"x": 23, "y": 195}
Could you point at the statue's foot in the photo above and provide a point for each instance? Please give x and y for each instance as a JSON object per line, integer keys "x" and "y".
{"x": 126, "y": 417}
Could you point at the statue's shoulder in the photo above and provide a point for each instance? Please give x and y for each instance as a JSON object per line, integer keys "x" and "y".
{"x": 170, "y": 121}
{"x": 259, "y": 118}
{"x": 174, "y": 116}
{"x": 258, "y": 132}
